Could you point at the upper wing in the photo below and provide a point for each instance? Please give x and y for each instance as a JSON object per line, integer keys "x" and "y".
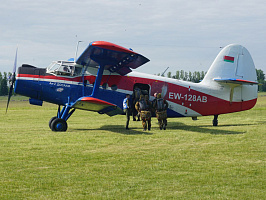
{"x": 115, "y": 58}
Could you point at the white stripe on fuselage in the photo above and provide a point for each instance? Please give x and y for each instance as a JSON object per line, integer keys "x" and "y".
{"x": 173, "y": 106}
{"x": 49, "y": 80}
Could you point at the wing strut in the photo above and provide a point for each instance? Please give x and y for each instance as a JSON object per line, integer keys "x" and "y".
{"x": 98, "y": 80}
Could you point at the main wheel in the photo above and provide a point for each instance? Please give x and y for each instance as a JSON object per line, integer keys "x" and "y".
{"x": 50, "y": 122}
{"x": 59, "y": 124}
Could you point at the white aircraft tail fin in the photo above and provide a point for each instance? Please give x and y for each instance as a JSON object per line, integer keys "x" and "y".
{"x": 233, "y": 62}
{"x": 234, "y": 67}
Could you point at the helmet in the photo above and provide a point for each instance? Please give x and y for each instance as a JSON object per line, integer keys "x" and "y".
{"x": 159, "y": 95}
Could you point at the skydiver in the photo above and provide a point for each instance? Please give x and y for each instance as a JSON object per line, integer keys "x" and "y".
{"x": 149, "y": 110}
{"x": 161, "y": 106}
{"x": 142, "y": 107}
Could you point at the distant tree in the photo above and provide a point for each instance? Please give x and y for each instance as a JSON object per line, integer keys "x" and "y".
{"x": 185, "y": 76}
{"x": 194, "y": 77}
{"x": 263, "y": 87}
{"x": 182, "y": 75}
{"x": 202, "y": 75}
{"x": 4, "y": 88}
{"x": 177, "y": 74}
{"x": 1, "y": 77}
{"x": 198, "y": 77}
{"x": 261, "y": 80}
{"x": 189, "y": 76}
{"x": 169, "y": 75}
{"x": 260, "y": 75}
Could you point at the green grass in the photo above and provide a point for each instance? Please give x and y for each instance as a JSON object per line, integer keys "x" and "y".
{"x": 98, "y": 159}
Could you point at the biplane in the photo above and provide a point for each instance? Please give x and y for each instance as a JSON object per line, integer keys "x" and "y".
{"x": 105, "y": 72}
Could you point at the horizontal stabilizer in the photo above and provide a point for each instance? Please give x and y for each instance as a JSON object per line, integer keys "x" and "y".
{"x": 236, "y": 81}
{"x": 115, "y": 58}
{"x": 97, "y": 105}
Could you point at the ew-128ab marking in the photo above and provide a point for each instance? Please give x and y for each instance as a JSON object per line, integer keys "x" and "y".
{"x": 188, "y": 97}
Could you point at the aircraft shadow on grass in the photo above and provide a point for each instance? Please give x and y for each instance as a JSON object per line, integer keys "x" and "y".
{"x": 121, "y": 130}
{"x": 133, "y": 130}
{"x": 206, "y": 129}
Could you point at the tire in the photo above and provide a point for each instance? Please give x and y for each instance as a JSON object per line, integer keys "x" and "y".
{"x": 215, "y": 122}
{"x": 59, "y": 125}
{"x": 50, "y": 122}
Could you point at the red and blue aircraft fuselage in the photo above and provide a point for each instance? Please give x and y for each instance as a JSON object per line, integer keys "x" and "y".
{"x": 102, "y": 75}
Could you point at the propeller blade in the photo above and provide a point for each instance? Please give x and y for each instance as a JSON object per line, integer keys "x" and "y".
{"x": 13, "y": 79}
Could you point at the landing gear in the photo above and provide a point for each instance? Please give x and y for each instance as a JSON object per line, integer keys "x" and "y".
{"x": 50, "y": 122}
{"x": 215, "y": 120}
{"x": 59, "y": 123}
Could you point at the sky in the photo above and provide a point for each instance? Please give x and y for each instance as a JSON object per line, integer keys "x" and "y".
{"x": 179, "y": 34}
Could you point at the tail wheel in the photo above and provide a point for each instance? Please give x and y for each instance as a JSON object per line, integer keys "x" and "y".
{"x": 59, "y": 124}
{"x": 215, "y": 120}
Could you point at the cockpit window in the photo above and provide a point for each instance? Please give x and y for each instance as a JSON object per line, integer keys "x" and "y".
{"x": 53, "y": 67}
{"x": 62, "y": 68}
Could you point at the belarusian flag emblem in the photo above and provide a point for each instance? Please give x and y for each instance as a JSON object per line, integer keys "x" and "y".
{"x": 229, "y": 59}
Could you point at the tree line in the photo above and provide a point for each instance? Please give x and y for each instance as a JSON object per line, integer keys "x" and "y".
{"x": 195, "y": 77}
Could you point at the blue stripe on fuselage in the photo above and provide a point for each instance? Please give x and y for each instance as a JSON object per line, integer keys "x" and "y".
{"x": 61, "y": 93}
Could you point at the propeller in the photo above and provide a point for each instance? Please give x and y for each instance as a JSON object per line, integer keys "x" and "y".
{"x": 13, "y": 79}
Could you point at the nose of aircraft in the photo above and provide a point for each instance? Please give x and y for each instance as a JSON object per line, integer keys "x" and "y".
{"x": 27, "y": 81}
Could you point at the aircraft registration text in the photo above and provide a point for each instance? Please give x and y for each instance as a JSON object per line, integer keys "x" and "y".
{"x": 188, "y": 97}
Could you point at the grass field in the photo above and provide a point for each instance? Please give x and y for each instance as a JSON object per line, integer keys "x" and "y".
{"x": 98, "y": 159}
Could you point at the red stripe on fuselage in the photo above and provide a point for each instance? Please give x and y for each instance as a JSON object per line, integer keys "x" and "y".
{"x": 183, "y": 95}
{"x": 76, "y": 79}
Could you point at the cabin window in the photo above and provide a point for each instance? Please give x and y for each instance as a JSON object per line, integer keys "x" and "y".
{"x": 114, "y": 87}
{"x": 66, "y": 69}
{"x": 105, "y": 86}
{"x": 77, "y": 71}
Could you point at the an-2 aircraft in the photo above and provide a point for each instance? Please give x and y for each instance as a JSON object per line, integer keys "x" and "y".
{"x": 102, "y": 75}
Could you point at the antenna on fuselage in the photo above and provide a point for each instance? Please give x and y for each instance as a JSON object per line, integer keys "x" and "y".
{"x": 165, "y": 71}
{"x": 77, "y": 50}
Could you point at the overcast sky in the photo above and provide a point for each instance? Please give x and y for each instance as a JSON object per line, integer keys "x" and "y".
{"x": 179, "y": 34}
